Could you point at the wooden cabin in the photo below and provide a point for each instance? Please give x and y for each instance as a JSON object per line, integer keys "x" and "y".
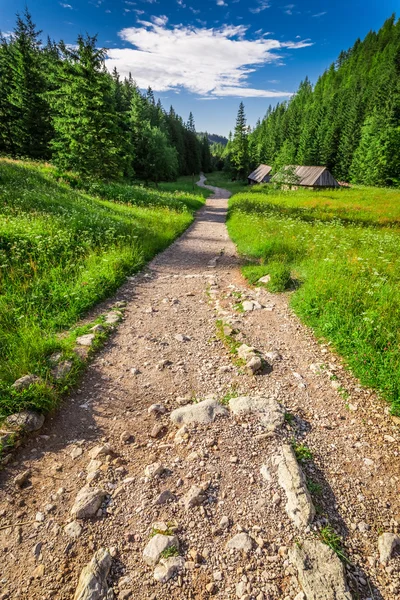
{"x": 308, "y": 177}
{"x": 261, "y": 175}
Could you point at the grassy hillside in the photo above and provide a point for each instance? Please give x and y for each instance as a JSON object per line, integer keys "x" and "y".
{"x": 340, "y": 250}
{"x": 61, "y": 251}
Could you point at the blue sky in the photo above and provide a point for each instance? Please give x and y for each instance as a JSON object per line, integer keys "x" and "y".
{"x": 207, "y": 55}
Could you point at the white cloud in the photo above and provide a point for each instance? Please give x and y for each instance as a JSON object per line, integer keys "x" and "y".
{"x": 221, "y": 3}
{"x": 204, "y": 61}
{"x": 320, "y": 14}
{"x": 65, "y": 5}
{"x": 262, "y": 5}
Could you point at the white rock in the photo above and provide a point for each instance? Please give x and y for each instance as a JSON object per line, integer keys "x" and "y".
{"x": 271, "y": 413}
{"x": 248, "y": 305}
{"x": 265, "y": 279}
{"x": 112, "y": 318}
{"x": 168, "y": 568}
{"x": 97, "y": 451}
{"x": 76, "y": 452}
{"x": 204, "y": 412}
{"x": 320, "y": 572}
{"x": 254, "y": 364}
{"x": 156, "y": 546}
{"x": 154, "y": 470}
{"x": 93, "y": 465}
{"x": 241, "y": 541}
{"x": 265, "y": 474}
{"x": 157, "y": 409}
{"x": 245, "y": 352}
{"x": 182, "y": 338}
{"x": 73, "y": 529}
{"x": 241, "y": 589}
{"x": 86, "y": 340}
{"x": 299, "y": 505}
{"x": 87, "y": 502}
{"x": 92, "y": 583}
{"x": 387, "y": 542}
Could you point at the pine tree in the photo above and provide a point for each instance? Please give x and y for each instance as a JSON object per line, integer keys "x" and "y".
{"x": 239, "y": 151}
{"x": 87, "y": 135}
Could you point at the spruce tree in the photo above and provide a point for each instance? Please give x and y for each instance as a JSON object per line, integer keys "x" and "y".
{"x": 239, "y": 151}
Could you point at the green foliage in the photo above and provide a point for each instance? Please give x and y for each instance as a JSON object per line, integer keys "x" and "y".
{"x": 59, "y": 102}
{"x": 61, "y": 251}
{"x": 329, "y": 537}
{"x": 349, "y": 121}
{"x": 170, "y": 551}
{"x": 342, "y": 249}
{"x": 314, "y": 488}
{"x": 302, "y": 452}
{"x": 238, "y": 148}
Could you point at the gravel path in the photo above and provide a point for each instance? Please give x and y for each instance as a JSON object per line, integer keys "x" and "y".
{"x": 208, "y": 482}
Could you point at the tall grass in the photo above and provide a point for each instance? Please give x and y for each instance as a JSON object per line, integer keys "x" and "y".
{"x": 341, "y": 249}
{"x": 62, "y": 250}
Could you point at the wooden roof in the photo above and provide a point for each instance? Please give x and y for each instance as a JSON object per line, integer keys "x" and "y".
{"x": 313, "y": 176}
{"x": 260, "y": 173}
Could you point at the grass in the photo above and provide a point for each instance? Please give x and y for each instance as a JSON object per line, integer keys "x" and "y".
{"x": 302, "y": 452}
{"x": 62, "y": 250}
{"x": 340, "y": 249}
{"x": 170, "y": 551}
{"x": 314, "y": 488}
{"x": 329, "y": 537}
{"x": 224, "y": 180}
{"x": 185, "y": 184}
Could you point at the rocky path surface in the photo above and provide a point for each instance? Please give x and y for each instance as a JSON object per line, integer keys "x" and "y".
{"x": 170, "y": 473}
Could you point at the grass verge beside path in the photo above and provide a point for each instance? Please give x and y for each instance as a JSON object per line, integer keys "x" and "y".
{"x": 185, "y": 184}
{"x": 339, "y": 252}
{"x": 223, "y": 180}
{"x": 61, "y": 252}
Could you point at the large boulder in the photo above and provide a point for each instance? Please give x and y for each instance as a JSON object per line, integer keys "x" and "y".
{"x": 156, "y": 546}
{"x": 271, "y": 413}
{"x": 203, "y": 412}
{"x": 299, "y": 505}
{"x": 92, "y": 583}
{"x": 319, "y": 570}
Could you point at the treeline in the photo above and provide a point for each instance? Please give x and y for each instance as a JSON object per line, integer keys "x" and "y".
{"x": 59, "y": 103}
{"x": 350, "y": 120}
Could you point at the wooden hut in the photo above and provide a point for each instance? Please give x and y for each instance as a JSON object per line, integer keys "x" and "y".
{"x": 309, "y": 177}
{"x": 261, "y": 175}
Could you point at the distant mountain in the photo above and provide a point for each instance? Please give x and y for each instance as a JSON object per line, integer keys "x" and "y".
{"x": 214, "y": 138}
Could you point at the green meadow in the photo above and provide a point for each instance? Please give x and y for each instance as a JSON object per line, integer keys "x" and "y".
{"x": 337, "y": 252}
{"x": 63, "y": 249}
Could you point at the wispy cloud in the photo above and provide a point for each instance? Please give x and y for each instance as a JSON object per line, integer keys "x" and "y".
{"x": 65, "y": 5}
{"x": 320, "y": 14}
{"x": 210, "y": 62}
{"x": 221, "y": 3}
{"x": 262, "y": 5}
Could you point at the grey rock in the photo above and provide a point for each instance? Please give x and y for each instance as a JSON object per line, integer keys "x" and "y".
{"x": 248, "y": 305}
{"x": 73, "y": 530}
{"x": 204, "y": 412}
{"x": 104, "y": 450}
{"x": 265, "y": 279}
{"x": 154, "y": 470}
{"x": 22, "y": 478}
{"x": 85, "y": 340}
{"x": 24, "y": 382}
{"x": 246, "y": 352}
{"x": 92, "y": 583}
{"x": 62, "y": 370}
{"x": 255, "y": 364}
{"x": 387, "y": 542}
{"x": 194, "y": 497}
{"x": 27, "y": 420}
{"x": 168, "y": 568}
{"x": 156, "y": 546}
{"x": 241, "y": 541}
{"x": 271, "y": 413}
{"x": 164, "y": 497}
{"x": 97, "y": 328}
{"x": 112, "y": 318}
{"x": 157, "y": 409}
{"x": 182, "y": 338}
{"x": 299, "y": 505}
{"x": 320, "y": 572}
{"x": 273, "y": 356}
{"x": 126, "y": 437}
{"x": 87, "y": 502}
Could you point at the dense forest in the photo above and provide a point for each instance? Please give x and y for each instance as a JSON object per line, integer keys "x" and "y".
{"x": 59, "y": 103}
{"x": 349, "y": 121}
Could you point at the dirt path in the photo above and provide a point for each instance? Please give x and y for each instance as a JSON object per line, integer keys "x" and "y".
{"x": 166, "y": 352}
